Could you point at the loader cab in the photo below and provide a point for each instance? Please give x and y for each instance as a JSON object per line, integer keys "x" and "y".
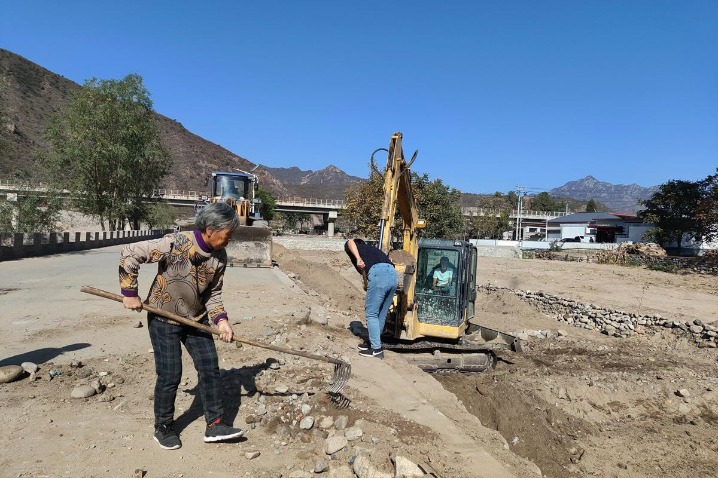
{"x": 237, "y": 186}
{"x": 446, "y": 282}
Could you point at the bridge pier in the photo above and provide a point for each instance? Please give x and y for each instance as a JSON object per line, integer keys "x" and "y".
{"x": 329, "y": 219}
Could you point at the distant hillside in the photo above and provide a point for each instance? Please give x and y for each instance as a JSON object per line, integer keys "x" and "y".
{"x": 29, "y": 94}
{"x": 616, "y": 197}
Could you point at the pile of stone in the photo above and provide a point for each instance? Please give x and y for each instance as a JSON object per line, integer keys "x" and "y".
{"x": 613, "y": 322}
{"x": 301, "y": 417}
{"x": 630, "y": 253}
{"x": 707, "y": 263}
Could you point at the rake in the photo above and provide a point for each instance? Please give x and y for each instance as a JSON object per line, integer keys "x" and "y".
{"x": 342, "y": 369}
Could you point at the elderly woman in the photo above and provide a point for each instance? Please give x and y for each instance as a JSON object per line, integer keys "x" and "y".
{"x": 191, "y": 267}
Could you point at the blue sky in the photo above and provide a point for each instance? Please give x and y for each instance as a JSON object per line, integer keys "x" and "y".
{"x": 493, "y": 94}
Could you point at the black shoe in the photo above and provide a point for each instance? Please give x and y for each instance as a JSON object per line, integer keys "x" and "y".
{"x": 218, "y": 431}
{"x": 363, "y": 346}
{"x": 377, "y": 353}
{"x": 167, "y": 438}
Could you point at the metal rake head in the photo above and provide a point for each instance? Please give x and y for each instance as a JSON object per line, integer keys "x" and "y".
{"x": 342, "y": 371}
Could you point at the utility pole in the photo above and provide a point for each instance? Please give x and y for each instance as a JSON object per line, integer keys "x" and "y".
{"x": 519, "y": 190}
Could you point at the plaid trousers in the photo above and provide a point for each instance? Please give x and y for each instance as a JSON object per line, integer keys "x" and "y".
{"x": 167, "y": 339}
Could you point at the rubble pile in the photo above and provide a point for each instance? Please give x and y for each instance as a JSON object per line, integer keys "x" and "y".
{"x": 613, "y": 322}
{"x": 629, "y": 253}
{"x": 707, "y": 263}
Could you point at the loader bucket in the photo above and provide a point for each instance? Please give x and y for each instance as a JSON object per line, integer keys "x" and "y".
{"x": 251, "y": 246}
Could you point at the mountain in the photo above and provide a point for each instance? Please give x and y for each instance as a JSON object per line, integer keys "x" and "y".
{"x": 328, "y": 183}
{"x": 30, "y": 94}
{"x": 617, "y": 197}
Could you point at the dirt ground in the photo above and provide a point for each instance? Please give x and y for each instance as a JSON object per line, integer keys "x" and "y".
{"x": 582, "y": 404}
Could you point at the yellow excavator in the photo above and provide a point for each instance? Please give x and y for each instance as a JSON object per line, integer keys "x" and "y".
{"x": 435, "y": 300}
{"x": 251, "y": 243}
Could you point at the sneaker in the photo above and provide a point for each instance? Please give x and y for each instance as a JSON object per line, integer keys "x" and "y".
{"x": 218, "y": 431}
{"x": 167, "y": 438}
{"x": 377, "y": 353}
{"x": 363, "y": 346}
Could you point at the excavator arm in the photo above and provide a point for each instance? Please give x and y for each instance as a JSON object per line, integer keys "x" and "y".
{"x": 398, "y": 195}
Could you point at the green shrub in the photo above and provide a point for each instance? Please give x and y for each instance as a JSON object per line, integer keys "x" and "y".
{"x": 664, "y": 266}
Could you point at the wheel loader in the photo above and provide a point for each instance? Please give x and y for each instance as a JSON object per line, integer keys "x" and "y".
{"x": 251, "y": 243}
{"x": 434, "y": 306}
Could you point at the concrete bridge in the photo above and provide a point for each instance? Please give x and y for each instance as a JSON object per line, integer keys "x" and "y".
{"x": 330, "y": 209}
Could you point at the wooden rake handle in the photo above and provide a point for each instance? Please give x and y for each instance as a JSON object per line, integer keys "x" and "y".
{"x": 211, "y": 330}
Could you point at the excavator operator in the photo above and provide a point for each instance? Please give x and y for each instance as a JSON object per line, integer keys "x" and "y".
{"x": 443, "y": 276}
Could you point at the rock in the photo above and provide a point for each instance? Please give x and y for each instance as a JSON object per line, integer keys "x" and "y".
{"x": 82, "y": 391}
{"x": 341, "y": 471}
{"x": 405, "y": 468}
{"x": 249, "y": 419}
{"x": 306, "y": 423}
{"x": 97, "y": 385}
{"x": 683, "y": 393}
{"x": 321, "y": 466}
{"x": 138, "y": 325}
{"x": 251, "y": 455}
{"x": 364, "y": 468}
{"x": 84, "y": 372}
{"x": 306, "y": 409}
{"x": 10, "y": 373}
{"x": 29, "y": 367}
{"x": 334, "y": 444}
{"x": 684, "y": 409}
{"x": 281, "y": 389}
{"x": 353, "y": 433}
{"x": 326, "y": 422}
{"x": 696, "y": 329}
{"x": 341, "y": 422}
{"x": 318, "y": 315}
{"x": 274, "y": 365}
{"x": 561, "y": 333}
{"x": 522, "y": 336}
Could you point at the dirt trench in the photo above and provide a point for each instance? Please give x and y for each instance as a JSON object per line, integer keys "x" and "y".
{"x": 581, "y": 405}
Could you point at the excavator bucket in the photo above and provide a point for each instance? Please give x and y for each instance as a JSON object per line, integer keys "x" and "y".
{"x": 251, "y": 246}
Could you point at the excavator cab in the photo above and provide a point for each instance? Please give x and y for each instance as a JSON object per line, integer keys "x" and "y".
{"x": 448, "y": 290}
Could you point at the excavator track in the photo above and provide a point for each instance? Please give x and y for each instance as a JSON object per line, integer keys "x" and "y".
{"x": 441, "y": 357}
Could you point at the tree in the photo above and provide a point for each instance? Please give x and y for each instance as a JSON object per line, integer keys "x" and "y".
{"x": 544, "y": 202}
{"x": 34, "y": 211}
{"x": 707, "y": 209}
{"x": 296, "y": 220}
{"x": 160, "y": 214}
{"x": 105, "y": 148}
{"x": 672, "y": 211}
{"x": 591, "y": 205}
{"x": 438, "y": 204}
{"x": 266, "y": 207}
{"x": 363, "y": 205}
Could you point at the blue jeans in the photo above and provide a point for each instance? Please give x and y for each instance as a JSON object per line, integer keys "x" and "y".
{"x": 379, "y": 295}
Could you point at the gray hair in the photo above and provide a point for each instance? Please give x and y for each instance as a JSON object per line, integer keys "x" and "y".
{"x": 217, "y": 216}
